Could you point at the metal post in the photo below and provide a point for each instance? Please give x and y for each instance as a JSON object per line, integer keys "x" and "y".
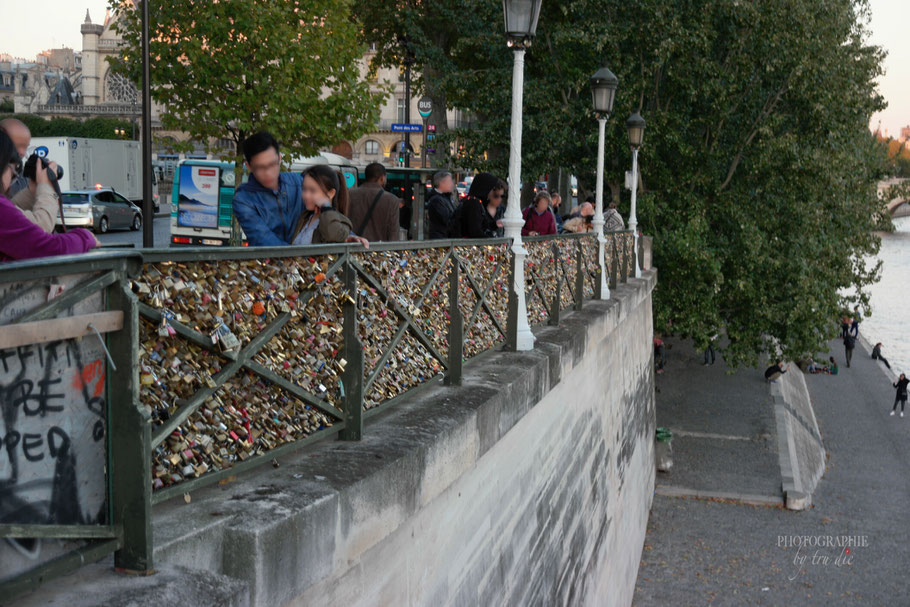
{"x": 633, "y": 220}
{"x": 513, "y": 221}
{"x": 598, "y": 221}
{"x": 556, "y": 306}
{"x": 130, "y": 440}
{"x": 409, "y": 200}
{"x": 456, "y": 329}
{"x": 148, "y": 210}
{"x": 579, "y": 276}
{"x": 352, "y": 376}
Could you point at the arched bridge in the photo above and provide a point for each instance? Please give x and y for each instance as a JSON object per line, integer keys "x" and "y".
{"x": 898, "y": 205}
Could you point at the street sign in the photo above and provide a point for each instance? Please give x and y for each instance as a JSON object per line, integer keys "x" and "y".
{"x": 407, "y": 128}
{"x": 431, "y": 150}
{"x": 431, "y": 136}
{"x": 431, "y": 128}
{"x": 425, "y": 106}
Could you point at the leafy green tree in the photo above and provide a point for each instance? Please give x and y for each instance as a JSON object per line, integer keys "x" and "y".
{"x": 758, "y": 167}
{"x": 226, "y": 69}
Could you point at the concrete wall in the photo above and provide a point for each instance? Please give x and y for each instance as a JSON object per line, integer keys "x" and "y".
{"x": 800, "y": 447}
{"x": 529, "y": 485}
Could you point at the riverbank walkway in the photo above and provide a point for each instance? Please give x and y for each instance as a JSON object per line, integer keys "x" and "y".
{"x": 721, "y": 550}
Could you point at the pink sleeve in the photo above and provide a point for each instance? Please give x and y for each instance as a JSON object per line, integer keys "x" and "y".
{"x": 22, "y": 239}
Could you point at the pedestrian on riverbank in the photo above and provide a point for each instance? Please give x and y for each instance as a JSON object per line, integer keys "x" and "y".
{"x": 877, "y": 354}
{"x": 844, "y": 326}
{"x": 849, "y": 345}
{"x": 901, "y": 395}
{"x": 832, "y": 368}
{"x": 854, "y": 323}
{"x": 710, "y": 349}
{"x": 660, "y": 358}
{"x": 773, "y": 373}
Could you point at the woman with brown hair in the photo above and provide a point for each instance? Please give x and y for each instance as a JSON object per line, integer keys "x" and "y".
{"x": 325, "y": 201}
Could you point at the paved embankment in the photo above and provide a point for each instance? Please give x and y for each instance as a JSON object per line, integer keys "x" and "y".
{"x": 727, "y": 553}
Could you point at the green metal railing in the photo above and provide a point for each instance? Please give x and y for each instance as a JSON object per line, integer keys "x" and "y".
{"x": 229, "y": 358}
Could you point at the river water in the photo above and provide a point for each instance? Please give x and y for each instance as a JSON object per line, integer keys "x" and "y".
{"x": 889, "y": 321}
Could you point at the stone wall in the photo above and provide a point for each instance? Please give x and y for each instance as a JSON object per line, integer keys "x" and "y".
{"x": 800, "y": 447}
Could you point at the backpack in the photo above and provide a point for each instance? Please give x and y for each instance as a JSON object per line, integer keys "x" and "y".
{"x": 849, "y": 342}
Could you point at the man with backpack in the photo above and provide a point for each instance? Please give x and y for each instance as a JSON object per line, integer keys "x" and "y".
{"x": 373, "y": 211}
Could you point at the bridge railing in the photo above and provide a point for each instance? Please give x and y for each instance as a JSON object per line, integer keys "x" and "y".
{"x": 229, "y": 358}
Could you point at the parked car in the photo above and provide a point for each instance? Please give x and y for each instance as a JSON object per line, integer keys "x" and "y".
{"x": 100, "y": 209}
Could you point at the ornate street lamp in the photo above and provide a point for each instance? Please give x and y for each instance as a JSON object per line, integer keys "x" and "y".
{"x": 603, "y": 87}
{"x": 521, "y": 25}
{"x": 636, "y": 127}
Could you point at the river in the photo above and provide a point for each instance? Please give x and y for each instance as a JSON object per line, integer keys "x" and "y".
{"x": 889, "y": 321}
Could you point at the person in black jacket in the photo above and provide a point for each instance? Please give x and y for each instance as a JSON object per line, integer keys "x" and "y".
{"x": 773, "y": 372}
{"x": 901, "y": 396}
{"x": 877, "y": 354}
{"x": 474, "y": 219}
{"x": 849, "y": 344}
{"x": 440, "y": 206}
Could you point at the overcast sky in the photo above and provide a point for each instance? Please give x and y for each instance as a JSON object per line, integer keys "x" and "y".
{"x": 27, "y": 28}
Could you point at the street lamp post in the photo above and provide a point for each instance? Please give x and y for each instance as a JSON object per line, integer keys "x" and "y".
{"x": 521, "y": 25}
{"x": 603, "y": 86}
{"x": 636, "y": 127}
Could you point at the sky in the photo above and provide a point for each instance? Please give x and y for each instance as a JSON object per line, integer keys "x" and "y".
{"x": 25, "y": 32}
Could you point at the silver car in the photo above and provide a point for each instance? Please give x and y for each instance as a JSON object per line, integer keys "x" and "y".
{"x": 99, "y": 210}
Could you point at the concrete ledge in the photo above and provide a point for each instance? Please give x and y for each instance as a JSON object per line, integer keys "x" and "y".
{"x": 746, "y": 498}
{"x": 801, "y": 451}
{"x": 98, "y": 584}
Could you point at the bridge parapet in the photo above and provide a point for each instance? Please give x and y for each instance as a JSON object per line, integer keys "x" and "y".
{"x": 219, "y": 361}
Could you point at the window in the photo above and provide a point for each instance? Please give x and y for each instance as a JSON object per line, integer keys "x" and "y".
{"x": 119, "y": 89}
{"x": 371, "y": 147}
{"x": 401, "y": 110}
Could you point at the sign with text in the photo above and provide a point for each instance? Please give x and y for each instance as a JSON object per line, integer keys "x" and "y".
{"x": 425, "y": 107}
{"x": 407, "y": 128}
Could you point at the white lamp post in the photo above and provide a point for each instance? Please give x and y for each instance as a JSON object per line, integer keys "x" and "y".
{"x": 521, "y": 24}
{"x": 636, "y": 127}
{"x": 603, "y": 86}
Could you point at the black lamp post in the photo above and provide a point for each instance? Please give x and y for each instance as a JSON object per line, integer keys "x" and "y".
{"x": 603, "y": 88}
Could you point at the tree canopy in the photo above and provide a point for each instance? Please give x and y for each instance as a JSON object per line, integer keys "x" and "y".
{"x": 223, "y": 70}
{"x": 97, "y": 128}
{"x": 758, "y": 167}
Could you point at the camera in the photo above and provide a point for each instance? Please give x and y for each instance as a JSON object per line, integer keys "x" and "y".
{"x": 589, "y": 218}
{"x": 30, "y": 170}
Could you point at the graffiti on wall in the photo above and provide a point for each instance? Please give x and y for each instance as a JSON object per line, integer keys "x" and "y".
{"x": 52, "y": 435}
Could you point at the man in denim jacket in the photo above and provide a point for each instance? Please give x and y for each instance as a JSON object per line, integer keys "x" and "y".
{"x": 268, "y": 205}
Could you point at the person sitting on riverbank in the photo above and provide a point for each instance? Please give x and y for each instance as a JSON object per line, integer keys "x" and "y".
{"x": 660, "y": 357}
{"x": 773, "y": 373}
{"x": 901, "y": 395}
{"x": 814, "y": 367}
{"x": 832, "y": 368}
{"x": 877, "y": 354}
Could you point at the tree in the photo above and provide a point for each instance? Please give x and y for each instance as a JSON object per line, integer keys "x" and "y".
{"x": 226, "y": 69}
{"x": 429, "y": 32}
{"x": 98, "y": 128}
{"x": 759, "y": 170}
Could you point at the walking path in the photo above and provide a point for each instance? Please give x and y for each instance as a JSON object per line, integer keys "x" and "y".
{"x": 724, "y": 552}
